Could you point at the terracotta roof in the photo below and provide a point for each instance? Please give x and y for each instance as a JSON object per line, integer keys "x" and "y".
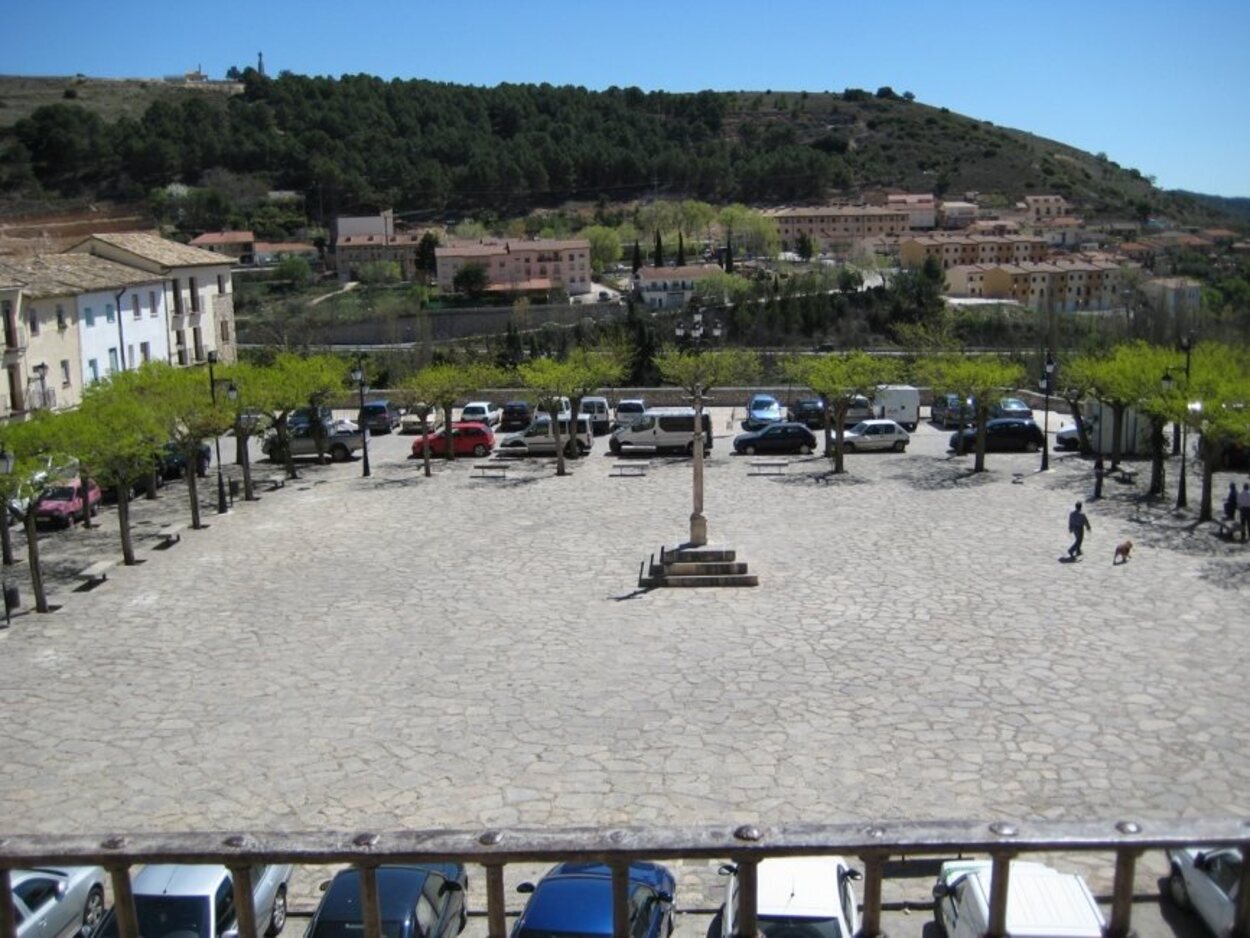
{"x": 289, "y": 246}
{"x": 839, "y": 210}
{"x": 668, "y": 273}
{"x": 223, "y": 237}
{"x": 69, "y": 274}
{"x": 471, "y": 249}
{"x": 377, "y": 240}
{"x": 155, "y": 248}
{"x": 1219, "y": 233}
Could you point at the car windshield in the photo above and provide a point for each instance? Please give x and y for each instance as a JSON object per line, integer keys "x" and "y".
{"x": 166, "y": 917}
{"x": 763, "y": 403}
{"x": 626, "y": 407}
{"x": 324, "y": 929}
{"x": 859, "y": 428}
{"x": 785, "y": 926}
{"x": 58, "y": 493}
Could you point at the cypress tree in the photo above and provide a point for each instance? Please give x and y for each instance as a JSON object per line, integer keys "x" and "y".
{"x": 729, "y": 255}
{"x": 637, "y": 256}
{"x": 681, "y": 250}
{"x": 659, "y": 250}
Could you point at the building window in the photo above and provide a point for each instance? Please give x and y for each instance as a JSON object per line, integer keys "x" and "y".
{"x": 137, "y": 302}
{"x": 221, "y": 283}
{"x": 225, "y": 331}
{"x": 34, "y": 322}
{"x": 93, "y": 368}
{"x": 151, "y": 302}
{"x": 61, "y": 323}
{"x": 113, "y": 366}
{"x": 108, "y": 312}
{"x": 65, "y": 372}
{"x": 195, "y": 295}
{"x": 88, "y": 317}
{"x": 145, "y": 351}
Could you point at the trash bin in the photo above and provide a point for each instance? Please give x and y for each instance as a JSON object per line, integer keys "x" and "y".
{"x": 234, "y": 488}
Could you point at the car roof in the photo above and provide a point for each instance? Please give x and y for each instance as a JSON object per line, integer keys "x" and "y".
{"x": 803, "y": 886}
{"x": 879, "y": 420}
{"x": 577, "y": 897}
{"x": 763, "y": 397}
{"x": 381, "y": 402}
{"x": 179, "y": 879}
{"x": 486, "y": 404}
{"x": 398, "y": 890}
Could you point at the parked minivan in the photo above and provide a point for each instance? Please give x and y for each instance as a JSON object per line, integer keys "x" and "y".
{"x": 538, "y": 439}
{"x": 600, "y": 416}
{"x": 379, "y": 417}
{"x": 898, "y": 402}
{"x": 1041, "y": 902}
{"x": 663, "y": 429}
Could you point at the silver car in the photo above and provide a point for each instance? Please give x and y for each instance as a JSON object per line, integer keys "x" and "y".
{"x": 875, "y": 434}
{"x": 197, "y": 901}
{"x": 1207, "y": 881}
{"x": 58, "y": 902}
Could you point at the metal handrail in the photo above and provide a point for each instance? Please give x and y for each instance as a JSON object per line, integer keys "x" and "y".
{"x": 745, "y": 845}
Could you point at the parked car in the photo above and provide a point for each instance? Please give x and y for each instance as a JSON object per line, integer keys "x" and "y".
{"x": 468, "y": 439}
{"x": 629, "y": 410}
{"x": 58, "y": 902}
{"x": 1069, "y": 437}
{"x": 776, "y": 438}
{"x": 51, "y": 469}
{"x": 662, "y": 429}
{"x": 1005, "y": 434}
{"x": 596, "y": 408}
{"x": 62, "y": 503}
{"x": 517, "y": 415}
{"x": 860, "y": 409}
{"x": 875, "y": 434}
{"x": 797, "y": 897}
{"x": 379, "y": 417}
{"x": 197, "y": 901}
{"x": 951, "y": 410}
{"x": 809, "y": 411}
{"x": 898, "y": 402}
{"x": 340, "y": 444}
{"x": 173, "y": 460}
{"x": 426, "y": 901}
{"x": 1041, "y": 902}
{"x": 1011, "y": 407}
{"x": 412, "y": 422}
{"x": 762, "y": 409}
{"x": 481, "y": 412}
{"x": 538, "y": 439}
{"x": 576, "y": 899}
{"x": 1207, "y": 880}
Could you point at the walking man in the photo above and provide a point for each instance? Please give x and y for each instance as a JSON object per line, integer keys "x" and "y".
{"x": 1243, "y": 507}
{"x": 1078, "y": 524}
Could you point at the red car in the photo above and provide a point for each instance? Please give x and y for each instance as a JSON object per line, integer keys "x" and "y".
{"x": 62, "y": 503}
{"x": 468, "y": 439}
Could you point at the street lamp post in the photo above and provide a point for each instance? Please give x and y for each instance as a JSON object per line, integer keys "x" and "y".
{"x": 1182, "y": 494}
{"x": 698, "y": 335}
{"x": 1048, "y": 385}
{"x": 221, "y": 482}
{"x": 358, "y": 375}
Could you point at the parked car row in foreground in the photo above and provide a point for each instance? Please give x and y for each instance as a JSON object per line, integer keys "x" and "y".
{"x": 796, "y": 897}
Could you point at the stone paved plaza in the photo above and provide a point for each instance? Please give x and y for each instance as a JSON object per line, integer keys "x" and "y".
{"x": 401, "y": 652}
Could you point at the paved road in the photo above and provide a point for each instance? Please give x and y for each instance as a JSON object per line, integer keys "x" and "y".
{"x": 408, "y": 652}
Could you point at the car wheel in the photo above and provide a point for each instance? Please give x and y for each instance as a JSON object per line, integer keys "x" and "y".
{"x": 1177, "y": 891}
{"x": 92, "y": 912}
{"x": 615, "y": 446}
{"x": 480, "y": 450}
{"x": 937, "y": 919}
{"x": 848, "y": 447}
{"x": 749, "y": 450}
{"x": 277, "y": 915}
{"x": 899, "y": 446}
{"x": 339, "y": 453}
{"x": 94, "y": 509}
{"x": 1030, "y": 447}
{"x": 805, "y": 450}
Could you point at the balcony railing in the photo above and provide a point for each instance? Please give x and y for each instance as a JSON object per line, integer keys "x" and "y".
{"x": 747, "y": 845}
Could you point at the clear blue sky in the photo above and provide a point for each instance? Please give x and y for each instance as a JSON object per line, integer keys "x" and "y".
{"x": 1160, "y": 86}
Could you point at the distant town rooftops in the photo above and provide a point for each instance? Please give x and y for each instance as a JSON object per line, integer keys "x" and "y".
{"x": 64, "y": 274}
{"x": 155, "y": 248}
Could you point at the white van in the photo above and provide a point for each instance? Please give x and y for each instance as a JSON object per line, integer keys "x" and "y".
{"x": 538, "y": 439}
{"x": 596, "y": 408}
{"x": 1041, "y": 902}
{"x": 898, "y": 402}
{"x": 662, "y": 429}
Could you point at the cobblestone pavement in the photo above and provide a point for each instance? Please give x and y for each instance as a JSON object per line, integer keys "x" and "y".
{"x": 403, "y": 652}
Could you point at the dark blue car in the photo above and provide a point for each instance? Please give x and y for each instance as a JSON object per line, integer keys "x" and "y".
{"x": 424, "y": 901}
{"x": 576, "y": 899}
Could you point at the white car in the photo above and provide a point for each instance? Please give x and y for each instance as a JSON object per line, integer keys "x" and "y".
{"x": 1207, "y": 881}
{"x": 875, "y": 434}
{"x": 1041, "y": 902}
{"x": 410, "y": 422}
{"x": 1068, "y": 437}
{"x": 481, "y": 412}
{"x": 798, "y": 897}
{"x": 58, "y": 902}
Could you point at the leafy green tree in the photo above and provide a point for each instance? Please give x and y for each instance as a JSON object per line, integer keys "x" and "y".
{"x": 849, "y": 280}
{"x": 471, "y": 280}
{"x": 377, "y": 273}
{"x": 657, "y": 257}
{"x": 803, "y": 246}
{"x": 698, "y": 372}
{"x": 446, "y": 384}
{"x": 419, "y": 393}
{"x": 249, "y": 384}
{"x": 981, "y": 377}
{"x": 551, "y": 380}
{"x": 296, "y": 271}
{"x": 426, "y": 259}
{"x": 291, "y": 382}
{"x": 595, "y": 368}
{"x": 838, "y": 379}
{"x": 681, "y": 250}
{"x": 636, "y": 263}
{"x": 605, "y": 246}
{"x": 723, "y": 289}
{"x": 30, "y": 443}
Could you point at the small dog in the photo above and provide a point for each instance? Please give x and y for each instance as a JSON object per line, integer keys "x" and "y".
{"x": 1122, "y": 552}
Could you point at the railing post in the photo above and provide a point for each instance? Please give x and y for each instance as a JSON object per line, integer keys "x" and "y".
{"x": 1241, "y": 915}
{"x": 874, "y": 872}
{"x": 1000, "y": 879}
{"x": 746, "y": 925}
{"x": 496, "y": 913}
{"x": 370, "y": 908}
{"x": 620, "y": 900}
{"x": 124, "y": 902}
{"x": 244, "y": 903}
{"x": 8, "y": 919}
{"x": 1122, "y": 894}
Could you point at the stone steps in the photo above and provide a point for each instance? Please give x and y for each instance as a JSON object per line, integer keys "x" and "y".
{"x": 697, "y": 567}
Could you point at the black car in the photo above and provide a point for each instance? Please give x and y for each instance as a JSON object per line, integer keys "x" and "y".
{"x": 426, "y": 901}
{"x": 776, "y": 438}
{"x": 172, "y": 463}
{"x": 809, "y": 411}
{"x": 952, "y": 410}
{"x": 517, "y": 415}
{"x": 1006, "y": 434}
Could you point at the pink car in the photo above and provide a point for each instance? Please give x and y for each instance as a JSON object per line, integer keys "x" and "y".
{"x": 62, "y": 503}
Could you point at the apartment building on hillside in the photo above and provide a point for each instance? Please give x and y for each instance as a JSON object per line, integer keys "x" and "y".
{"x": 353, "y": 251}
{"x": 960, "y": 250}
{"x": 1056, "y": 286}
{"x": 537, "y": 266}
{"x": 1040, "y": 207}
{"x": 838, "y": 228}
{"x": 670, "y": 287}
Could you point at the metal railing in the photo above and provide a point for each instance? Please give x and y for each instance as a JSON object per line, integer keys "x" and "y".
{"x": 745, "y": 846}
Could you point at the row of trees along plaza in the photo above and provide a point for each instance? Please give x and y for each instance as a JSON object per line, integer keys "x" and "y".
{"x": 119, "y": 432}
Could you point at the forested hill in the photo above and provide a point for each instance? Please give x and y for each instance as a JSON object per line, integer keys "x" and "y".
{"x": 359, "y": 142}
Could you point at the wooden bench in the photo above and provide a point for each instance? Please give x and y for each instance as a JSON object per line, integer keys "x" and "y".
{"x": 768, "y": 467}
{"x": 486, "y": 470}
{"x": 632, "y": 470}
{"x": 169, "y": 535}
{"x": 96, "y": 574}
{"x": 274, "y": 482}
